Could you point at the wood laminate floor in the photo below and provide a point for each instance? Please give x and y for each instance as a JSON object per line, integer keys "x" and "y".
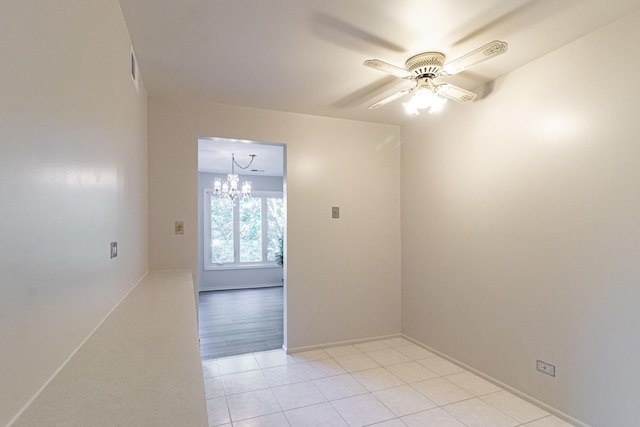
{"x": 240, "y": 321}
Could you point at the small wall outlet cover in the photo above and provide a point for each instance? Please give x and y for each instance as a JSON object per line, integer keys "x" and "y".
{"x": 335, "y": 212}
{"x": 179, "y": 227}
{"x": 546, "y": 368}
{"x": 114, "y": 249}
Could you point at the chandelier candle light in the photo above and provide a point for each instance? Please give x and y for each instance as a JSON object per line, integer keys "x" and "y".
{"x": 229, "y": 188}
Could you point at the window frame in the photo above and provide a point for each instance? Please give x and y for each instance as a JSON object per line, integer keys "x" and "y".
{"x": 236, "y": 264}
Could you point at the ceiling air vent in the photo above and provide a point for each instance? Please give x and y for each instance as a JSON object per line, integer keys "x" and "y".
{"x": 134, "y": 69}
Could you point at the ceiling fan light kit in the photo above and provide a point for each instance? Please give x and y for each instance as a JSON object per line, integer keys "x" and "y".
{"x": 424, "y": 67}
{"x": 425, "y": 96}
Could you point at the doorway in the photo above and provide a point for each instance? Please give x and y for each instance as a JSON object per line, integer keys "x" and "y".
{"x": 241, "y": 235}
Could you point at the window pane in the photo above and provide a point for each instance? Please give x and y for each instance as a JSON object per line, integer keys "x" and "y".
{"x": 221, "y": 230}
{"x": 250, "y": 230}
{"x": 275, "y": 223}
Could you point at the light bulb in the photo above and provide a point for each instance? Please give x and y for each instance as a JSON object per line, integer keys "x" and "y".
{"x": 437, "y": 104}
{"x": 410, "y": 108}
{"x": 423, "y": 98}
{"x": 246, "y": 189}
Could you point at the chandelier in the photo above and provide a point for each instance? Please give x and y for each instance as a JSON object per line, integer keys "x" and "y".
{"x": 229, "y": 188}
{"x": 425, "y": 96}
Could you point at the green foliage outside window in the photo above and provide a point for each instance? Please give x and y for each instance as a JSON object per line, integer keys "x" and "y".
{"x": 221, "y": 230}
{"x": 260, "y": 228}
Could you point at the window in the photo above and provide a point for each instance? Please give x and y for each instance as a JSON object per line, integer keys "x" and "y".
{"x": 244, "y": 234}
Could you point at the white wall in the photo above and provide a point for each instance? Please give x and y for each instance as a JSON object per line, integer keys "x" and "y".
{"x": 243, "y": 277}
{"x": 343, "y": 277}
{"x": 521, "y": 228}
{"x": 72, "y": 179}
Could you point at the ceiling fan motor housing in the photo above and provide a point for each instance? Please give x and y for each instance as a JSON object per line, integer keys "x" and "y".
{"x": 425, "y": 65}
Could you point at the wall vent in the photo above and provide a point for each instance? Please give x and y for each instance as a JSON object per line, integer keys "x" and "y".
{"x": 133, "y": 69}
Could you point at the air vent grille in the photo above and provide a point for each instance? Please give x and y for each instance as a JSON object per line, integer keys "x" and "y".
{"x": 425, "y": 64}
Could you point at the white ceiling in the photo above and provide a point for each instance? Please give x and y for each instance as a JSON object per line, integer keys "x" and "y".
{"x": 214, "y": 155}
{"x": 306, "y": 56}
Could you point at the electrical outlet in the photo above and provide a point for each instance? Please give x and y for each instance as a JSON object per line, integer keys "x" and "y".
{"x": 179, "y": 227}
{"x": 114, "y": 249}
{"x": 335, "y": 212}
{"x": 546, "y": 368}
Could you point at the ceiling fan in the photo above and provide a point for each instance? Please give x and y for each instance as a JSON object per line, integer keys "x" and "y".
{"x": 424, "y": 68}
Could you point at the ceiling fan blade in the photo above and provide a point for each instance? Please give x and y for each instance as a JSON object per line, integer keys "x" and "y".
{"x": 474, "y": 57}
{"x": 347, "y": 35}
{"x": 385, "y": 67}
{"x": 455, "y": 93}
{"x": 390, "y": 98}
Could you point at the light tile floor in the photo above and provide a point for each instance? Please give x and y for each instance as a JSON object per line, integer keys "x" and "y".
{"x": 387, "y": 383}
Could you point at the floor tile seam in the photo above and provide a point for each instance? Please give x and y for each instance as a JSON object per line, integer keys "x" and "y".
{"x": 275, "y": 366}
{"x": 283, "y": 412}
{"x": 366, "y": 390}
{"x": 373, "y": 391}
{"x": 378, "y": 367}
{"x": 450, "y": 403}
{"x": 444, "y": 377}
{"x": 303, "y": 406}
{"x": 547, "y": 414}
{"x": 328, "y": 376}
{"x": 269, "y": 386}
{"x": 391, "y": 410}
{"x": 291, "y": 383}
{"x": 275, "y": 385}
{"x": 250, "y": 418}
{"x": 345, "y": 368}
{"x": 497, "y": 409}
{"x": 340, "y": 415}
{"x": 226, "y": 404}
{"x": 246, "y": 391}
{"x": 412, "y": 413}
{"x": 346, "y": 397}
{"x": 336, "y": 411}
{"x": 269, "y": 413}
{"x": 289, "y": 362}
{"x": 358, "y": 353}
{"x": 239, "y": 372}
{"x": 310, "y": 405}
{"x": 242, "y": 372}
{"x": 469, "y": 391}
{"x": 443, "y": 407}
{"x": 532, "y": 421}
{"x": 314, "y": 360}
{"x": 279, "y": 365}
{"x": 417, "y": 361}
{"x": 395, "y": 416}
{"x": 338, "y": 362}
{"x": 537, "y": 419}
